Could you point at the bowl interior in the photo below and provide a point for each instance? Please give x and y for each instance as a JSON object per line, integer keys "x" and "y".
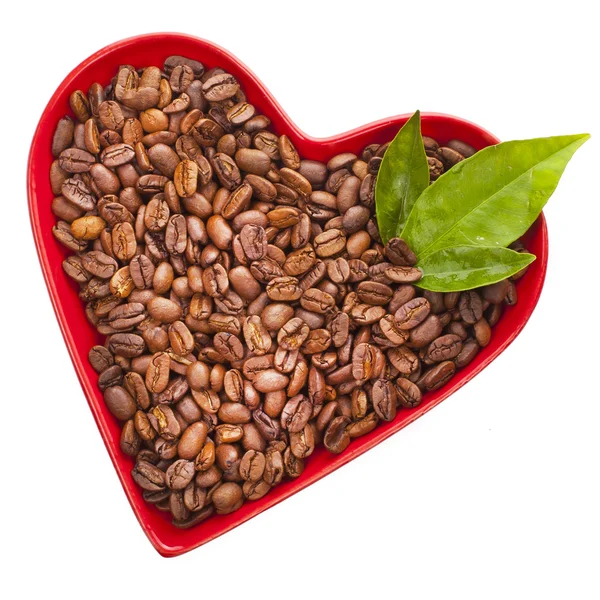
{"x": 80, "y": 335}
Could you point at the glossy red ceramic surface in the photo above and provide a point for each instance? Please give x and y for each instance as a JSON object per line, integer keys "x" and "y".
{"x": 79, "y": 335}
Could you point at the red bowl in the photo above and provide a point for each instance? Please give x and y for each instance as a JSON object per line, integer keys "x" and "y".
{"x": 80, "y": 336}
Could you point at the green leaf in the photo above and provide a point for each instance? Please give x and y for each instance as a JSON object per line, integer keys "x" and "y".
{"x": 467, "y": 267}
{"x": 492, "y": 198}
{"x": 402, "y": 176}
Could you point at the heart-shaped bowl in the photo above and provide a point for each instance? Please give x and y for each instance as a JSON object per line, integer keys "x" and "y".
{"x": 79, "y": 335}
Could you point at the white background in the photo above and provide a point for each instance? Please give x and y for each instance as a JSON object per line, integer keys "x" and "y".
{"x": 492, "y": 495}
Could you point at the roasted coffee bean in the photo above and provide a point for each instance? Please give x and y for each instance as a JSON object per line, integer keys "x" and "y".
{"x": 404, "y": 360}
{"x": 336, "y": 438}
{"x": 274, "y": 468}
{"x": 412, "y": 313}
{"x": 366, "y": 314}
{"x": 130, "y": 442}
{"x": 469, "y": 350}
{"x": 117, "y": 155}
{"x": 374, "y": 293}
{"x": 179, "y": 474}
{"x": 112, "y": 375}
{"x": 194, "y": 497}
{"x": 496, "y": 292}
{"x": 444, "y": 348}
{"x": 366, "y": 362}
{"x": 293, "y": 334}
{"x": 174, "y": 61}
{"x": 437, "y": 376}
{"x": 186, "y": 178}
{"x": 126, "y": 344}
{"x": 100, "y": 358}
{"x": 257, "y": 337}
{"x": 483, "y": 332}
{"x": 229, "y": 346}
{"x": 399, "y": 274}
{"x": 284, "y": 289}
{"x": 157, "y": 374}
{"x": 329, "y": 243}
{"x": 383, "y": 398}
{"x": 423, "y": 334}
{"x": 254, "y": 490}
{"x": 317, "y": 301}
{"x": 119, "y": 402}
{"x": 164, "y": 310}
{"x": 302, "y": 443}
{"x": 252, "y": 465}
{"x": 296, "y": 413}
{"x": 450, "y": 156}
{"x": 362, "y": 426}
{"x": 63, "y": 136}
{"x": 148, "y": 476}
{"x": 408, "y": 394}
{"x": 470, "y": 307}
{"x": 398, "y": 252}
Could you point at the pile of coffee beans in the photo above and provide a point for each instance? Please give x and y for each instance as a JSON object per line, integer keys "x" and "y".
{"x": 250, "y": 310}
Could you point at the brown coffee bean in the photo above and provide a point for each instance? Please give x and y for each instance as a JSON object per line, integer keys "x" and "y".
{"x": 398, "y": 252}
{"x": 124, "y": 244}
{"x": 284, "y": 289}
{"x": 148, "y": 476}
{"x": 164, "y": 310}
{"x": 257, "y": 337}
{"x": 228, "y": 434}
{"x": 205, "y": 459}
{"x": 483, "y": 333}
{"x": 119, "y": 402}
{"x": 186, "y": 178}
{"x": 296, "y": 413}
{"x": 220, "y": 87}
{"x": 449, "y": 156}
{"x": 157, "y": 375}
{"x": 407, "y": 393}
{"x": 412, "y": 313}
{"x": 317, "y": 301}
{"x": 329, "y": 243}
{"x": 426, "y": 332}
{"x": 126, "y": 344}
{"x": 444, "y": 348}
{"x": 179, "y": 474}
{"x": 383, "y": 398}
{"x": 437, "y": 376}
{"x": 399, "y": 274}
{"x": 470, "y": 307}
{"x": 293, "y": 334}
{"x": 117, "y": 155}
{"x": 75, "y": 160}
{"x": 293, "y": 465}
{"x": 100, "y": 358}
{"x": 336, "y": 438}
{"x": 362, "y": 426}
{"x": 365, "y": 362}
{"x": 404, "y": 360}
{"x": 288, "y": 152}
{"x": 469, "y": 350}
{"x": 302, "y": 443}
{"x": 373, "y": 293}
{"x": 88, "y": 228}
{"x": 270, "y": 380}
{"x": 252, "y": 465}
